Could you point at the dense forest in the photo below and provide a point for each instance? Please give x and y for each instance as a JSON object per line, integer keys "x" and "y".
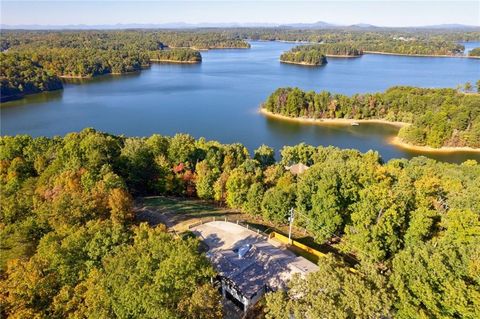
{"x": 386, "y": 40}
{"x": 342, "y": 34}
{"x": 70, "y": 245}
{"x": 437, "y": 117}
{"x": 176, "y": 55}
{"x": 330, "y": 49}
{"x": 474, "y": 52}
{"x": 394, "y": 45}
{"x": 144, "y": 40}
{"x": 411, "y": 47}
{"x": 34, "y": 61}
{"x": 20, "y": 75}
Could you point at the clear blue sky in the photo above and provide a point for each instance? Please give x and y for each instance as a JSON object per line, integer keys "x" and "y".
{"x": 383, "y": 13}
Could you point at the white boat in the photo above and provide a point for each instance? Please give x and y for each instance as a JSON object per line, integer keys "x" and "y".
{"x": 355, "y": 124}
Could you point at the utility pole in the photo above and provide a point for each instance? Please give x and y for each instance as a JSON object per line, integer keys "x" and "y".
{"x": 290, "y": 219}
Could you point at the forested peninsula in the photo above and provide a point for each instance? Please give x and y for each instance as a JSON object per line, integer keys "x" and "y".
{"x": 311, "y": 54}
{"x": 33, "y": 62}
{"x": 474, "y": 52}
{"x": 401, "y": 41}
{"x": 434, "y": 118}
{"x": 71, "y": 245}
{"x": 327, "y": 49}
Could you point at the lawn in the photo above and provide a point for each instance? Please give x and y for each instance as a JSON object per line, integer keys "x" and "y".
{"x": 178, "y": 213}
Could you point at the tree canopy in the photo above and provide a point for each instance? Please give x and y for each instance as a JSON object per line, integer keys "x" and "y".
{"x": 437, "y": 117}
{"x": 70, "y": 245}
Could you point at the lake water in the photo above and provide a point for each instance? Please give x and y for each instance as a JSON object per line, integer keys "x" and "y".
{"x": 219, "y": 98}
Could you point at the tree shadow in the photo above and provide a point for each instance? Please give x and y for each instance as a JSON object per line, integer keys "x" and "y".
{"x": 212, "y": 240}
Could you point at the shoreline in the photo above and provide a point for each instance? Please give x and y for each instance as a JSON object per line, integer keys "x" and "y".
{"x": 23, "y": 96}
{"x": 343, "y": 56}
{"x": 76, "y": 77}
{"x": 90, "y": 77}
{"x": 210, "y": 48}
{"x": 397, "y": 141}
{"x": 422, "y": 55}
{"x": 393, "y": 140}
{"x": 329, "y": 121}
{"x": 301, "y": 63}
{"x": 173, "y": 61}
{"x": 377, "y": 52}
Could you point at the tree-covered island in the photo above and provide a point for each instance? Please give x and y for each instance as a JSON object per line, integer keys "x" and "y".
{"x": 315, "y": 54}
{"x": 304, "y": 56}
{"x": 431, "y": 117}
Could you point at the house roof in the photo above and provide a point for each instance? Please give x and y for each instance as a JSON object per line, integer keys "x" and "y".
{"x": 297, "y": 169}
{"x": 263, "y": 264}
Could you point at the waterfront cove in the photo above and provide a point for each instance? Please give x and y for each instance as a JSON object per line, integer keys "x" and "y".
{"x": 219, "y": 99}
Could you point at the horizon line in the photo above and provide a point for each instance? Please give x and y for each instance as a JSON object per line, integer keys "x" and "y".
{"x": 226, "y": 24}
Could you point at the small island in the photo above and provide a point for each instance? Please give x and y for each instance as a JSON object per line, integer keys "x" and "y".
{"x": 315, "y": 54}
{"x": 306, "y": 57}
{"x": 430, "y": 119}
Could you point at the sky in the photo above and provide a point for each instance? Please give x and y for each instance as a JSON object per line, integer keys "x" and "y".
{"x": 108, "y": 12}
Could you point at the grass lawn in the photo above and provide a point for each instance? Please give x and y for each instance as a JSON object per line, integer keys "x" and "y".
{"x": 178, "y": 213}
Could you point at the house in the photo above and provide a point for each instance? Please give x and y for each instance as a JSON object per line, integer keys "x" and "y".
{"x": 248, "y": 264}
{"x": 297, "y": 169}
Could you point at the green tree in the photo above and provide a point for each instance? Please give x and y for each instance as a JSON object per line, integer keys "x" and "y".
{"x": 181, "y": 149}
{"x": 255, "y": 194}
{"x": 264, "y": 155}
{"x": 334, "y": 292}
{"x": 277, "y": 202}
{"x": 158, "y": 277}
{"x": 138, "y": 166}
{"x": 237, "y": 187}
{"x": 205, "y": 180}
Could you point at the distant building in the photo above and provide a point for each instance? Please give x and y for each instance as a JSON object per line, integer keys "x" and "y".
{"x": 248, "y": 264}
{"x": 297, "y": 169}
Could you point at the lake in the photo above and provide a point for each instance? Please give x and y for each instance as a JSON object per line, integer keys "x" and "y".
{"x": 219, "y": 99}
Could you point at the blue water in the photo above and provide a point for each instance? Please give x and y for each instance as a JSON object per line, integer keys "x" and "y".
{"x": 469, "y": 46}
{"x": 219, "y": 98}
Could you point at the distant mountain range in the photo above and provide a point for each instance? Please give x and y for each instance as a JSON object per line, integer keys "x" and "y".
{"x": 183, "y": 25}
